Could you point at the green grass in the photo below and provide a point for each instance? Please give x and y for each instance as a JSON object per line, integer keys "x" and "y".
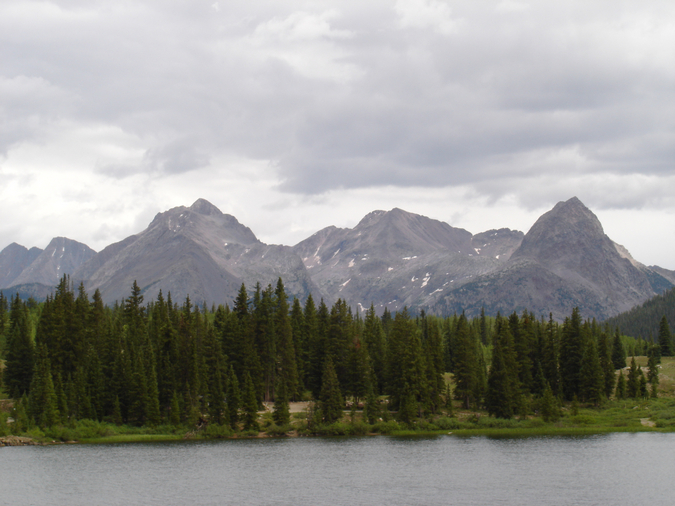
{"x": 132, "y": 438}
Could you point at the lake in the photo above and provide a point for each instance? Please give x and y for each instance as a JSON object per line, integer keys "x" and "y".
{"x": 612, "y": 469}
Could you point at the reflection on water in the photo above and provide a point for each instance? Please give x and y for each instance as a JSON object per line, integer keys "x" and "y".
{"x": 608, "y": 469}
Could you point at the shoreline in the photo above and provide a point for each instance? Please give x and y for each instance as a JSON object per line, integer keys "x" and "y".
{"x": 462, "y": 433}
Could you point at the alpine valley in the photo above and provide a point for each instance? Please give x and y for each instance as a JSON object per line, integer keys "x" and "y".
{"x": 390, "y": 259}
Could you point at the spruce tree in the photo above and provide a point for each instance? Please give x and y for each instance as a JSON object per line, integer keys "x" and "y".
{"x": 233, "y": 398}
{"x": 503, "y": 394}
{"x": 665, "y": 338}
{"x": 448, "y": 400}
{"x": 466, "y": 363}
{"x": 549, "y": 406}
{"x": 621, "y": 387}
{"x": 591, "y": 379}
{"x": 407, "y": 411}
{"x": 371, "y": 408}
{"x": 175, "y": 411}
{"x": 19, "y": 363}
{"x": 643, "y": 392}
{"x": 571, "y": 352}
{"x": 633, "y": 383}
{"x": 42, "y": 402}
{"x": 250, "y": 405}
{"x": 606, "y": 364}
{"x": 653, "y": 372}
{"x": 618, "y": 353}
{"x": 281, "y": 414}
{"x": 331, "y": 402}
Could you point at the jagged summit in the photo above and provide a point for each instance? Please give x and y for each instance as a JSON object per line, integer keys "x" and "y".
{"x": 61, "y": 256}
{"x": 390, "y": 258}
{"x": 13, "y": 260}
{"x": 564, "y": 234}
{"x": 196, "y": 251}
{"x": 203, "y": 206}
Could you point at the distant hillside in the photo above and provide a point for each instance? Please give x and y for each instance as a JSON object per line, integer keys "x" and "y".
{"x": 643, "y": 320}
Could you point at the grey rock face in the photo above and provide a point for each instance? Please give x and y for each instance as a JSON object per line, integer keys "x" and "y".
{"x": 61, "y": 256}
{"x": 390, "y": 259}
{"x": 13, "y": 260}
{"x": 196, "y": 251}
{"x": 565, "y": 260}
{"x": 398, "y": 259}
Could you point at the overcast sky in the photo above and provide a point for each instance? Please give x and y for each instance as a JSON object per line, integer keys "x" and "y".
{"x": 296, "y": 115}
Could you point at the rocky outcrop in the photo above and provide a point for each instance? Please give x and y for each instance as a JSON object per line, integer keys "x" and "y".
{"x": 196, "y": 251}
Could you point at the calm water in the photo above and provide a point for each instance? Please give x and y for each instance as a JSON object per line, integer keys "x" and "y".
{"x": 615, "y": 469}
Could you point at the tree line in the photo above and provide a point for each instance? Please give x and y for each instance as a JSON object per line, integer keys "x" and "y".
{"x": 73, "y": 358}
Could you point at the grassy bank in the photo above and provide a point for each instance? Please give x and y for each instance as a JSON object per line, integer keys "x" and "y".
{"x": 629, "y": 415}
{"x": 657, "y": 415}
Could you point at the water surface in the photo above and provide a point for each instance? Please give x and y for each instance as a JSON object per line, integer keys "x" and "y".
{"x": 607, "y": 469}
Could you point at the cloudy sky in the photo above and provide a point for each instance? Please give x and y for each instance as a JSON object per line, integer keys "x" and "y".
{"x": 295, "y": 115}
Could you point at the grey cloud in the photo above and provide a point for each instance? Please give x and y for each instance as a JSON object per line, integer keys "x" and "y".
{"x": 482, "y": 99}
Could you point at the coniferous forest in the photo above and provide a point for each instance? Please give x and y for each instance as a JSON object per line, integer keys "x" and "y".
{"x": 165, "y": 363}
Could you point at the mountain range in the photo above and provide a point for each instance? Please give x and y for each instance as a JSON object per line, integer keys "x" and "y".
{"x": 389, "y": 259}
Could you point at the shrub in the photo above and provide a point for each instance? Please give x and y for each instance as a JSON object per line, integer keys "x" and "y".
{"x": 360, "y": 428}
{"x": 445, "y": 423}
{"x": 278, "y": 430}
{"x": 218, "y": 431}
{"x": 35, "y": 433}
{"x": 386, "y": 427}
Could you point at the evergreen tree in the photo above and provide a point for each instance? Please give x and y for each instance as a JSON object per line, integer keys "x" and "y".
{"x": 331, "y": 402}
{"x": 549, "y": 355}
{"x": 621, "y": 387}
{"x": 633, "y": 383}
{"x": 571, "y": 352}
{"x": 606, "y": 364}
{"x": 250, "y": 405}
{"x": 591, "y": 379}
{"x": 466, "y": 364}
{"x": 653, "y": 373}
{"x": 407, "y": 411}
{"x": 287, "y": 371}
{"x": 281, "y": 414}
{"x": 42, "y": 402}
{"x": 618, "y": 353}
{"x": 19, "y": 363}
{"x": 371, "y": 408}
{"x": 233, "y": 398}
{"x": 503, "y": 383}
{"x": 448, "y": 400}
{"x": 175, "y": 411}
{"x": 642, "y": 385}
{"x": 665, "y": 338}
{"x": 374, "y": 339}
{"x": 549, "y": 406}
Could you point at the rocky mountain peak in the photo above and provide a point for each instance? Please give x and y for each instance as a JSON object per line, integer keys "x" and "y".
{"x": 564, "y": 232}
{"x": 61, "y": 256}
{"x": 203, "y": 206}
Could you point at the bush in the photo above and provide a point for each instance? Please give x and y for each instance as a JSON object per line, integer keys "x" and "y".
{"x": 582, "y": 420}
{"x": 386, "y": 427}
{"x": 445, "y": 423}
{"x": 59, "y": 433}
{"x": 278, "y": 430}
{"x": 360, "y": 428}
{"x": 35, "y": 433}
{"x": 85, "y": 429}
{"x": 333, "y": 429}
{"x": 218, "y": 431}
{"x": 425, "y": 425}
{"x": 485, "y": 422}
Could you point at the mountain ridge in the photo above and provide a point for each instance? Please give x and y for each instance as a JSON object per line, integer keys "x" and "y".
{"x": 390, "y": 258}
